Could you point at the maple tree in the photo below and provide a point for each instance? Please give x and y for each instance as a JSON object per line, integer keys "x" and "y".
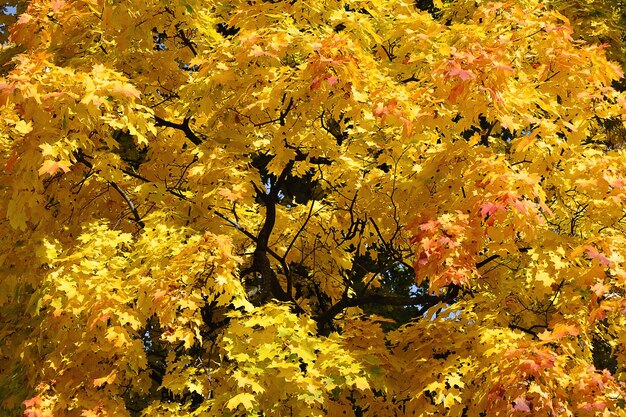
{"x": 310, "y": 208}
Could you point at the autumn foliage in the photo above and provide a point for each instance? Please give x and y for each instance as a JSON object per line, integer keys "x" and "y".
{"x": 312, "y": 208}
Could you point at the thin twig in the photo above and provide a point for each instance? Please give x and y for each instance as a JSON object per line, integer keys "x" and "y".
{"x": 300, "y": 230}
{"x": 129, "y": 202}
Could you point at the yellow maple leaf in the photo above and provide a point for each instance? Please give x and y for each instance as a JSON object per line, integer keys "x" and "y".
{"x": 246, "y": 399}
{"x": 23, "y": 127}
{"x": 109, "y": 379}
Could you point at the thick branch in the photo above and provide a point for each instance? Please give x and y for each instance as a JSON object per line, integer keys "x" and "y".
{"x": 530, "y": 330}
{"x": 261, "y": 262}
{"x": 412, "y": 78}
{"x": 486, "y": 261}
{"x": 395, "y": 300}
{"x": 345, "y": 302}
{"x": 246, "y": 233}
{"x": 187, "y": 42}
{"x": 484, "y": 138}
{"x": 183, "y": 127}
{"x": 333, "y": 127}
{"x": 262, "y": 265}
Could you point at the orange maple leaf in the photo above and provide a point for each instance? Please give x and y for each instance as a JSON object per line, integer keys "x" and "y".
{"x": 51, "y": 167}
{"x": 8, "y": 167}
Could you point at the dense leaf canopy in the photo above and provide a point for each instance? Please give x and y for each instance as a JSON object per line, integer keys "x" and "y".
{"x": 312, "y": 208}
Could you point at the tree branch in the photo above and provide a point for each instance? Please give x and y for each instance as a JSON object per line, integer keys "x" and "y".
{"x": 528, "y": 330}
{"x": 183, "y": 127}
{"x": 345, "y": 302}
{"x": 300, "y": 230}
{"x": 484, "y": 138}
{"x": 412, "y": 78}
{"x": 284, "y": 113}
{"x": 187, "y": 42}
{"x": 129, "y": 202}
{"x": 261, "y": 264}
{"x": 80, "y": 157}
{"x": 260, "y": 261}
{"x": 486, "y": 261}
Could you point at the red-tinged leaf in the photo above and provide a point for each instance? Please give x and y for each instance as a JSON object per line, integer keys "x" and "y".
{"x": 126, "y": 90}
{"x": 599, "y": 288}
{"x": 52, "y": 167}
{"x": 383, "y": 110}
{"x": 98, "y": 382}
{"x": 455, "y": 92}
{"x": 521, "y": 206}
{"x": 490, "y": 209}
{"x": 593, "y": 253}
{"x": 317, "y": 83}
{"x": 24, "y": 19}
{"x": 33, "y": 407}
{"x": 429, "y": 225}
{"x": 618, "y": 183}
{"x": 102, "y": 318}
{"x": 33, "y": 412}
{"x": 457, "y": 71}
{"x": 597, "y": 406}
{"x": 158, "y": 295}
{"x": 33, "y": 402}
{"x": 230, "y": 195}
{"x": 616, "y": 70}
{"x": 521, "y": 404}
{"x": 421, "y": 260}
{"x": 256, "y": 51}
{"x": 598, "y": 314}
{"x": 560, "y": 331}
{"x": 57, "y": 5}
{"x": 407, "y": 127}
{"x": 545, "y": 208}
{"x": 496, "y": 393}
{"x": 503, "y": 67}
{"x": 10, "y": 164}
